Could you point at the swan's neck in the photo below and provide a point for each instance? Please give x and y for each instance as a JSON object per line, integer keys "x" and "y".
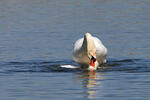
{"x": 88, "y": 44}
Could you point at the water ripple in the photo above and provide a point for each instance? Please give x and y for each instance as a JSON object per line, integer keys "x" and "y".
{"x": 126, "y": 65}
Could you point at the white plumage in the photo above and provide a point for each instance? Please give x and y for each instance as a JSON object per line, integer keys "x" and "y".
{"x": 87, "y": 48}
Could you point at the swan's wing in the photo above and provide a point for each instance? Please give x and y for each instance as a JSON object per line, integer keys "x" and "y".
{"x": 78, "y": 45}
{"x": 101, "y": 50}
{"x": 76, "y": 50}
{"x": 79, "y": 55}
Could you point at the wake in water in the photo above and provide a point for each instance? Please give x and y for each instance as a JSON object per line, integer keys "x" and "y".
{"x": 126, "y": 65}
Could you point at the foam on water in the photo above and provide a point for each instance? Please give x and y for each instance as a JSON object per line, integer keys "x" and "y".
{"x": 68, "y": 66}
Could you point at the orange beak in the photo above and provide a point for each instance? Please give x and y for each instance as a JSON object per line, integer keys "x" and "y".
{"x": 93, "y": 61}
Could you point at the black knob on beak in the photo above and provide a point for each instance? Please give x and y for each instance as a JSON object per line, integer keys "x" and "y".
{"x": 94, "y": 59}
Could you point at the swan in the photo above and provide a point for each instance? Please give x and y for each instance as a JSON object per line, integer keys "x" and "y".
{"x": 89, "y": 51}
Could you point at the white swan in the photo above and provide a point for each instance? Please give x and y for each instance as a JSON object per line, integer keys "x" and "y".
{"x": 89, "y": 51}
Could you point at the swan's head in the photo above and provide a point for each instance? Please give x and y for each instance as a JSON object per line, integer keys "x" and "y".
{"x": 91, "y": 51}
{"x": 93, "y": 64}
{"x": 93, "y": 60}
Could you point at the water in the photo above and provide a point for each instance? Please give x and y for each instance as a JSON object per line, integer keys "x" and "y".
{"x": 37, "y": 36}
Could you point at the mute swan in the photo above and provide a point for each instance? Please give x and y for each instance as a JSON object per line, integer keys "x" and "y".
{"x": 89, "y": 51}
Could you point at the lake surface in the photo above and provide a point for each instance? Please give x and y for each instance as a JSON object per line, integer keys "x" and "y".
{"x": 37, "y": 37}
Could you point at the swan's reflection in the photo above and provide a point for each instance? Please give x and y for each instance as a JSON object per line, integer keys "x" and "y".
{"x": 91, "y": 82}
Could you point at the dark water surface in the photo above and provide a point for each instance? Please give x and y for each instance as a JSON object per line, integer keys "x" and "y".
{"x": 37, "y": 36}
